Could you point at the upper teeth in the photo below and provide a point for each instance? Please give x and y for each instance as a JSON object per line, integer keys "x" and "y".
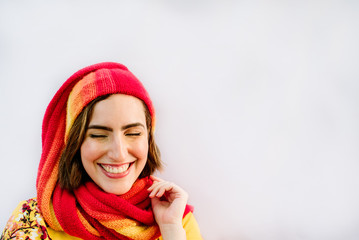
{"x": 119, "y": 169}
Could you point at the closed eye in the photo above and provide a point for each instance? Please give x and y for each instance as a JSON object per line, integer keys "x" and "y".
{"x": 97, "y": 136}
{"x": 133, "y": 134}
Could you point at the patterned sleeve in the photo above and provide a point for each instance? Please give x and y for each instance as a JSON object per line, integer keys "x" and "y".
{"x": 26, "y": 223}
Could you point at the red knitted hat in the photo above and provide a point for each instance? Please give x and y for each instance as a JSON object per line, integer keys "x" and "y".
{"x": 102, "y": 80}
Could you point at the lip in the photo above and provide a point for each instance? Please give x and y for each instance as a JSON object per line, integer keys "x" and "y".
{"x": 115, "y": 175}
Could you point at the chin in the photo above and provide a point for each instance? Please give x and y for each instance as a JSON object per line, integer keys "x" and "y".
{"x": 117, "y": 190}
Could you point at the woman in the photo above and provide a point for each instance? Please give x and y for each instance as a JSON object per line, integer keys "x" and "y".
{"x": 98, "y": 153}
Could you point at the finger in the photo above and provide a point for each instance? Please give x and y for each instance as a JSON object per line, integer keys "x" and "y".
{"x": 154, "y": 178}
{"x": 154, "y": 184}
{"x": 161, "y": 188}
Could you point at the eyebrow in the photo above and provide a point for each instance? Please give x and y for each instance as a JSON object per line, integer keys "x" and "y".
{"x": 131, "y": 125}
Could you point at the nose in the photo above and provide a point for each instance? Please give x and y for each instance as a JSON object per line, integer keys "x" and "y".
{"x": 119, "y": 149}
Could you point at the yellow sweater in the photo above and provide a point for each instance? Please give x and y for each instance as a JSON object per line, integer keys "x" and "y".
{"x": 26, "y": 222}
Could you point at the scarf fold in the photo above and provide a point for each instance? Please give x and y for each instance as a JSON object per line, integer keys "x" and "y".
{"x": 88, "y": 212}
{"x": 114, "y": 217}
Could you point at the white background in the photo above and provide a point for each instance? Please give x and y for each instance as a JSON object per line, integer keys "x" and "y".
{"x": 257, "y": 103}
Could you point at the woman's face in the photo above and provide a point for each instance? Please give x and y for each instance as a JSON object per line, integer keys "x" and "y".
{"x": 114, "y": 151}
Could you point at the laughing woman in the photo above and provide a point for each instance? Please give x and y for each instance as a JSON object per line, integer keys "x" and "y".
{"x": 95, "y": 174}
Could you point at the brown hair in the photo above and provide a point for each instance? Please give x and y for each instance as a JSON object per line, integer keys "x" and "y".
{"x": 71, "y": 171}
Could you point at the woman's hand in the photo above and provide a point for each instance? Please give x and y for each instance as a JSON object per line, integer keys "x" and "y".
{"x": 168, "y": 204}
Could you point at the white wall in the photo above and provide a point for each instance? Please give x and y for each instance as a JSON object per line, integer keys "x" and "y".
{"x": 257, "y": 103}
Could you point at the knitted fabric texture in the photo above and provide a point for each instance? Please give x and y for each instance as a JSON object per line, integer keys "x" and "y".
{"x": 88, "y": 212}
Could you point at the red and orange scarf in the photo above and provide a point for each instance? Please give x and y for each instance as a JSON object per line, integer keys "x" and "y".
{"x": 89, "y": 212}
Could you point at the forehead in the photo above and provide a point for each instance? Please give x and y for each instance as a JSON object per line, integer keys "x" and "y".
{"x": 119, "y": 108}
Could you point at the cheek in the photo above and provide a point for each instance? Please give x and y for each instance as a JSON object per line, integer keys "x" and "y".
{"x": 141, "y": 150}
{"x": 89, "y": 151}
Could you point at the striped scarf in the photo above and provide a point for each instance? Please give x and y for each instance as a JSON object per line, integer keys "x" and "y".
{"x": 88, "y": 212}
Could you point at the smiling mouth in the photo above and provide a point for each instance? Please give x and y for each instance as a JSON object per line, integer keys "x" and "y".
{"x": 115, "y": 169}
